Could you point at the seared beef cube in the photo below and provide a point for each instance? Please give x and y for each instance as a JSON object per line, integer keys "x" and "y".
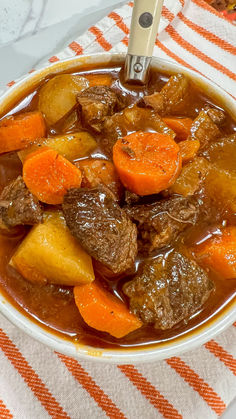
{"x": 132, "y": 118}
{"x": 204, "y": 130}
{"x": 168, "y": 290}
{"x": 18, "y": 206}
{"x": 102, "y": 227}
{"x": 160, "y": 223}
{"x": 216, "y": 115}
{"x": 131, "y": 198}
{"x": 96, "y": 103}
{"x": 171, "y": 95}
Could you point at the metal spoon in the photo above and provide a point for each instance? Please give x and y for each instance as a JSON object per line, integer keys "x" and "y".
{"x": 144, "y": 27}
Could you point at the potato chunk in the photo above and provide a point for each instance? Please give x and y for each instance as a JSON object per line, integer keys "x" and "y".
{"x": 71, "y": 146}
{"x": 58, "y": 95}
{"x": 50, "y": 254}
{"x": 220, "y": 185}
{"x": 191, "y": 177}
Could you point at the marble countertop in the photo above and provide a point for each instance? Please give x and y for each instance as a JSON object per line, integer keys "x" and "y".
{"x": 32, "y": 30}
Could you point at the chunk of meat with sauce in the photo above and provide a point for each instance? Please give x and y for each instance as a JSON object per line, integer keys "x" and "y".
{"x": 171, "y": 96}
{"x": 160, "y": 223}
{"x": 216, "y": 115}
{"x": 132, "y": 118}
{"x": 18, "y": 206}
{"x": 102, "y": 227}
{"x": 204, "y": 130}
{"x": 168, "y": 290}
{"x": 96, "y": 103}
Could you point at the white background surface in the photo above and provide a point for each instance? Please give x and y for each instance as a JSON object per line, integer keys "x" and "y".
{"x": 31, "y": 30}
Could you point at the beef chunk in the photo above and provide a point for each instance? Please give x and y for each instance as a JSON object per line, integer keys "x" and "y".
{"x": 171, "y": 95}
{"x": 18, "y": 206}
{"x": 204, "y": 130}
{"x": 216, "y": 115}
{"x": 132, "y": 118}
{"x": 96, "y": 103}
{"x": 160, "y": 223}
{"x": 168, "y": 290}
{"x": 102, "y": 227}
{"x": 131, "y": 198}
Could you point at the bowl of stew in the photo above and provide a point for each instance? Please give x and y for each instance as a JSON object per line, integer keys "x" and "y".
{"x": 117, "y": 209}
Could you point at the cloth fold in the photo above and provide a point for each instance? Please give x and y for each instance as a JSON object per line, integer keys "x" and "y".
{"x": 36, "y": 382}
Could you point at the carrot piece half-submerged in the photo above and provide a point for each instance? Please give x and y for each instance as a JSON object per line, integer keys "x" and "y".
{"x": 18, "y": 132}
{"x": 181, "y": 126}
{"x": 219, "y": 253}
{"x": 99, "y": 79}
{"x": 147, "y": 162}
{"x": 103, "y": 311}
{"x": 49, "y": 175}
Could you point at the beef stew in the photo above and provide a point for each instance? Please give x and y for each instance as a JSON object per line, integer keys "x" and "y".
{"x": 144, "y": 226}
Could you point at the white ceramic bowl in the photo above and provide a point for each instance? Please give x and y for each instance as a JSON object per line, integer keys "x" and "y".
{"x": 227, "y": 314}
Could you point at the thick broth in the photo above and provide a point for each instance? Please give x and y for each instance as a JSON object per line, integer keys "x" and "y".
{"x": 54, "y": 306}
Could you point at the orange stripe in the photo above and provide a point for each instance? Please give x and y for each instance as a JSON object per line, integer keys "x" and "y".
{"x": 92, "y": 388}
{"x": 53, "y": 59}
{"x": 119, "y": 22}
{"x": 32, "y": 70}
{"x": 167, "y": 14}
{"x": 194, "y": 51}
{"x": 100, "y": 38}
{"x": 208, "y": 35}
{"x": 182, "y": 2}
{"x": 4, "y": 411}
{"x": 222, "y": 354}
{"x": 125, "y": 41}
{"x": 234, "y": 324}
{"x": 11, "y": 83}
{"x": 198, "y": 384}
{"x": 131, "y": 4}
{"x": 150, "y": 392}
{"x": 76, "y": 48}
{"x": 204, "y": 5}
{"x": 31, "y": 378}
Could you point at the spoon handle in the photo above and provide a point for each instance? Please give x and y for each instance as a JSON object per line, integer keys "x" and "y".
{"x": 144, "y": 27}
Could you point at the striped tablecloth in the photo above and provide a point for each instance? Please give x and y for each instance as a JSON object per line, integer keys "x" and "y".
{"x": 38, "y": 383}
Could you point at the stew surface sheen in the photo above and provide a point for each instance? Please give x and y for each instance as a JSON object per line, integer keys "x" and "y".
{"x": 53, "y": 306}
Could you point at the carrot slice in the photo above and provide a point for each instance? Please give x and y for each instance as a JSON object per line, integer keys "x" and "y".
{"x": 17, "y": 132}
{"x": 181, "y": 126}
{"x": 103, "y": 311}
{"x": 49, "y": 175}
{"x": 147, "y": 163}
{"x": 99, "y": 79}
{"x": 188, "y": 149}
{"x": 219, "y": 253}
{"x": 95, "y": 172}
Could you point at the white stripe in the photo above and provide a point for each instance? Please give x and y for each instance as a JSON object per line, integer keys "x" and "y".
{"x": 176, "y": 390}
{"x": 59, "y": 381}
{"x": 16, "y": 394}
{"x": 227, "y": 340}
{"x": 197, "y": 63}
{"x": 203, "y": 45}
{"x": 210, "y": 369}
{"x": 211, "y": 22}
{"x": 124, "y": 394}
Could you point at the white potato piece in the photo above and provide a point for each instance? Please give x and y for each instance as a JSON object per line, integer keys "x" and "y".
{"x": 50, "y": 254}
{"x": 58, "y": 96}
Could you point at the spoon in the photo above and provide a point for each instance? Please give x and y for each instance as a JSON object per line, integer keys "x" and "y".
{"x": 144, "y": 27}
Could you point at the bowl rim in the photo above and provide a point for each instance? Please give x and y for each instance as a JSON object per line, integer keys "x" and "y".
{"x": 202, "y": 333}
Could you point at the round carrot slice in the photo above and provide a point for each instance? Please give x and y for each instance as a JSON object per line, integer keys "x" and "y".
{"x": 19, "y": 131}
{"x": 147, "y": 163}
{"x": 49, "y": 175}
